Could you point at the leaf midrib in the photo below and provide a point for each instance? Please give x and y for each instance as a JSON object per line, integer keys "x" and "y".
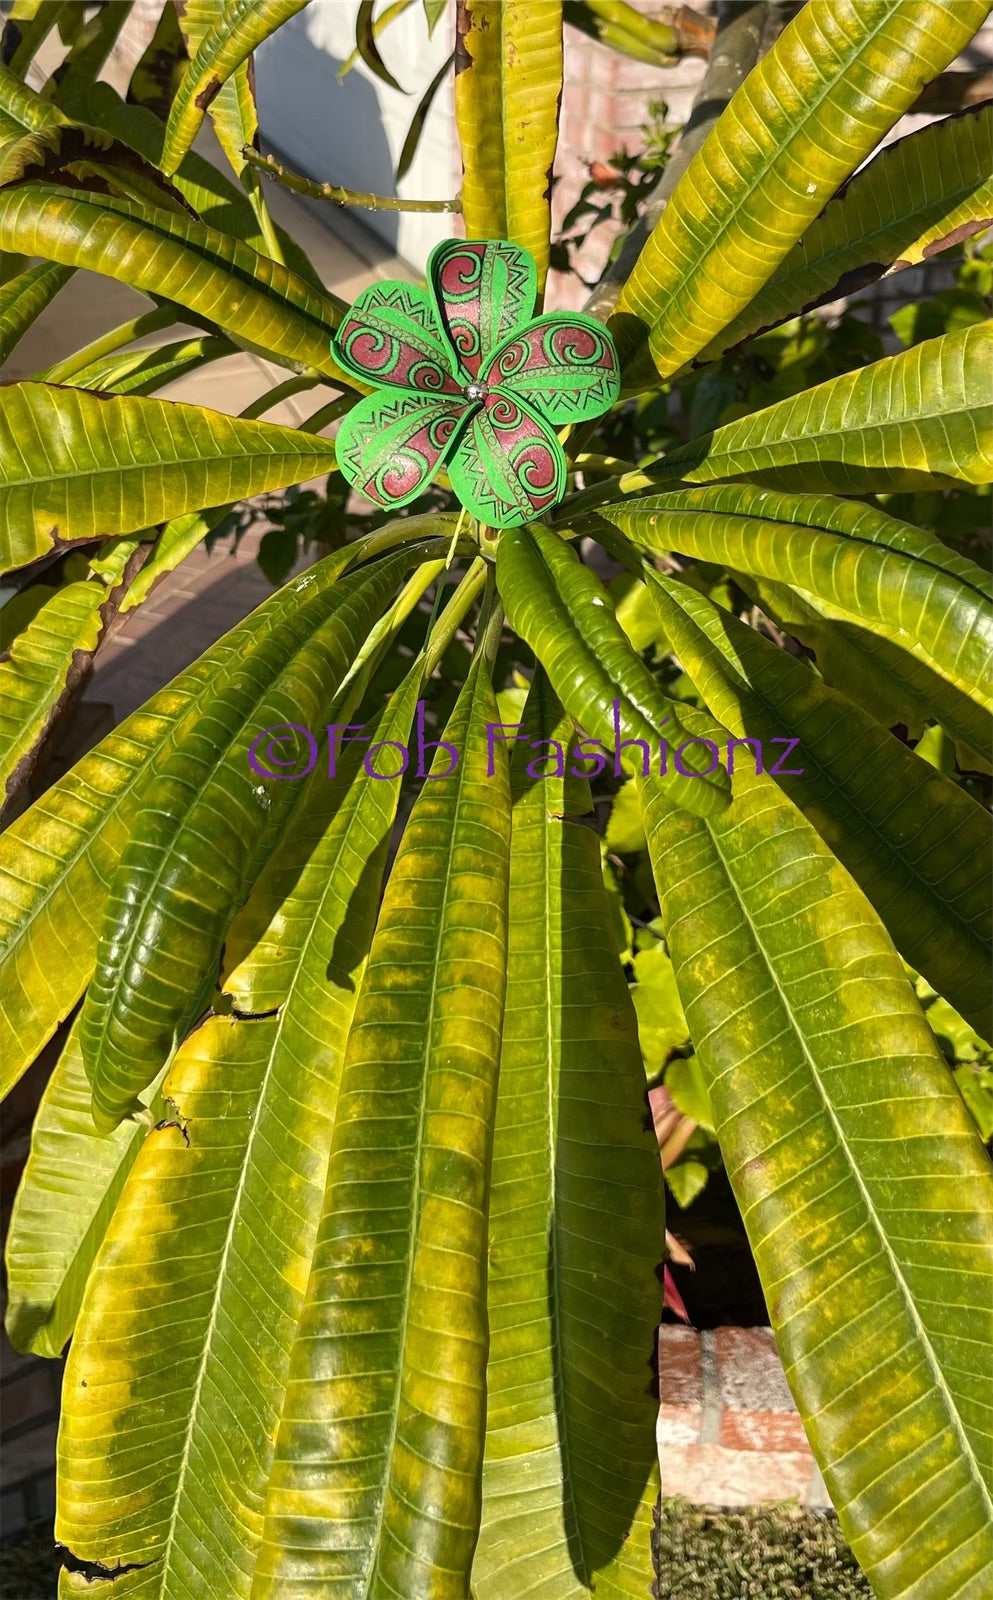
{"x": 553, "y": 1082}
{"x": 416, "y": 1209}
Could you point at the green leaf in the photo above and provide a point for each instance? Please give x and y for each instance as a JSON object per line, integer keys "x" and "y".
{"x": 91, "y": 46}
{"x": 916, "y": 843}
{"x": 379, "y": 24}
{"x": 838, "y": 77}
{"x": 975, "y": 1084}
{"x": 661, "y": 1023}
{"x": 576, "y": 1227}
{"x": 560, "y": 608}
{"x": 864, "y": 1187}
{"x": 688, "y": 1087}
{"x": 234, "y": 116}
{"x": 76, "y": 466}
{"x": 240, "y": 29}
{"x": 23, "y": 110}
{"x": 58, "y": 858}
{"x": 173, "y": 545}
{"x": 28, "y": 24}
{"x": 260, "y": 303}
{"x": 869, "y": 228}
{"x": 919, "y": 419}
{"x": 216, "y": 200}
{"x": 23, "y": 299}
{"x": 367, "y": 47}
{"x": 419, "y": 118}
{"x": 29, "y": 126}
{"x": 434, "y": 10}
{"x": 375, "y": 1487}
{"x": 625, "y": 827}
{"x": 158, "y": 74}
{"x": 508, "y": 79}
{"x": 258, "y": 1100}
{"x": 67, "y": 1194}
{"x": 48, "y": 658}
{"x": 865, "y": 565}
{"x": 187, "y": 865}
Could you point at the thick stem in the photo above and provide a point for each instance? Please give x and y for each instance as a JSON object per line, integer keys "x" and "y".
{"x": 256, "y": 199}
{"x": 337, "y": 195}
{"x": 744, "y": 32}
{"x": 116, "y": 339}
{"x": 661, "y": 39}
{"x": 330, "y": 413}
{"x": 454, "y": 614}
{"x": 282, "y": 391}
{"x": 388, "y": 626}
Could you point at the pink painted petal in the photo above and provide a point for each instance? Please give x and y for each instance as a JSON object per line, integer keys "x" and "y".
{"x": 389, "y": 447}
{"x": 563, "y": 365}
{"x": 483, "y": 290}
{"x": 507, "y": 467}
{"x": 391, "y": 336}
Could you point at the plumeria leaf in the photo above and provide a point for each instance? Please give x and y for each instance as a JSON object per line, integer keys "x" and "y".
{"x": 390, "y": 446}
{"x": 507, "y": 467}
{"x": 391, "y": 336}
{"x": 485, "y": 290}
{"x": 564, "y": 366}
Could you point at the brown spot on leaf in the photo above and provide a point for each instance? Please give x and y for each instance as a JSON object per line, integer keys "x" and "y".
{"x": 965, "y": 230}
{"x": 208, "y": 94}
{"x": 463, "y": 27}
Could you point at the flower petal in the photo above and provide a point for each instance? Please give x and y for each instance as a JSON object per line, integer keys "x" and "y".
{"x": 391, "y": 336}
{"x": 483, "y": 290}
{"x": 507, "y": 467}
{"x": 389, "y": 447}
{"x": 563, "y": 365}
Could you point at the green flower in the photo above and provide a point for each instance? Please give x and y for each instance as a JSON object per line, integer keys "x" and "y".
{"x": 471, "y": 379}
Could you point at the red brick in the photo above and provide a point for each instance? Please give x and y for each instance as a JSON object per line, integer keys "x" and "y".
{"x": 678, "y": 1426}
{"x": 749, "y": 1370}
{"x": 680, "y": 1373}
{"x": 710, "y": 1475}
{"x": 763, "y": 1430}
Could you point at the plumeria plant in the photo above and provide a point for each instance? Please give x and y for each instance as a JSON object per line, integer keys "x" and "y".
{"x": 343, "y": 1193}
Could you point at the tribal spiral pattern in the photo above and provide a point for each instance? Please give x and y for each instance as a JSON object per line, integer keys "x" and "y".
{"x": 468, "y": 378}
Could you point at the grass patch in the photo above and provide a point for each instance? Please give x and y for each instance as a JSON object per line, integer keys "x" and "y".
{"x": 776, "y": 1553}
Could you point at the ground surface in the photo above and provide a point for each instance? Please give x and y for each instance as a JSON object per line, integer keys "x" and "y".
{"x": 772, "y": 1554}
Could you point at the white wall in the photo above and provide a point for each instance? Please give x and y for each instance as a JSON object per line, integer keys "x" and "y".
{"x": 352, "y": 132}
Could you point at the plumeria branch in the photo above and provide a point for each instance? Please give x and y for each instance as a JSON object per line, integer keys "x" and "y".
{"x": 336, "y": 194}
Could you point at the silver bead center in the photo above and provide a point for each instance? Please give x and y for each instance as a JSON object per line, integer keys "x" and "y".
{"x": 475, "y": 391}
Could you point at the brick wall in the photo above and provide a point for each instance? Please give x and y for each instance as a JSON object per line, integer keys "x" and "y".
{"x": 729, "y": 1432}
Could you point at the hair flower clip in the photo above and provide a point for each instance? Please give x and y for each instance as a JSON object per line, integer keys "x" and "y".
{"x": 469, "y": 378}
